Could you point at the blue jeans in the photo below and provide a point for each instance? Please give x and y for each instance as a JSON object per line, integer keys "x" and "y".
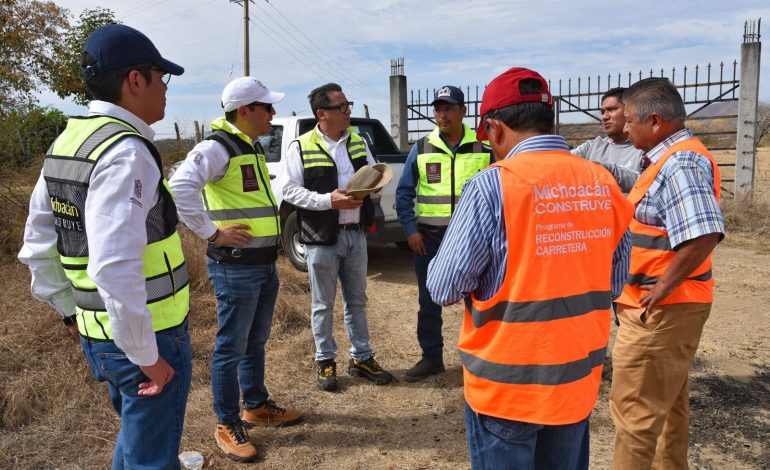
{"x": 429, "y": 320}
{"x": 496, "y": 443}
{"x": 246, "y": 297}
{"x": 150, "y": 427}
{"x": 346, "y": 259}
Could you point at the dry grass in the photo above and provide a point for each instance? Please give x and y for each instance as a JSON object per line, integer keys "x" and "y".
{"x": 54, "y": 415}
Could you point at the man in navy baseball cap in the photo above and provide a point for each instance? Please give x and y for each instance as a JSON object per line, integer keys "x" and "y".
{"x": 435, "y": 172}
{"x": 126, "y": 296}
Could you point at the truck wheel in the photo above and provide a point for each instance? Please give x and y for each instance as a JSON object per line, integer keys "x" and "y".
{"x": 292, "y": 247}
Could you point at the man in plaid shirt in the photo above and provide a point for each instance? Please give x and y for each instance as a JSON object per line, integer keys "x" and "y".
{"x": 667, "y": 298}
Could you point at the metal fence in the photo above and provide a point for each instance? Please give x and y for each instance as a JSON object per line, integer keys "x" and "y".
{"x": 583, "y": 95}
{"x": 699, "y": 87}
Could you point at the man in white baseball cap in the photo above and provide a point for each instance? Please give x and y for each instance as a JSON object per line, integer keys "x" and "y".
{"x": 227, "y": 173}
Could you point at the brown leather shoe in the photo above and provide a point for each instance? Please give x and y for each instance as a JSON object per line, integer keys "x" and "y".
{"x": 423, "y": 369}
{"x": 234, "y": 442}
{"x": 271, "y": 414}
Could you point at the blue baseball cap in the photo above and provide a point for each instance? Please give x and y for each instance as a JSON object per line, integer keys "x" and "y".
{"x": 450, "y": 94}
{"x": 115, "y": 45}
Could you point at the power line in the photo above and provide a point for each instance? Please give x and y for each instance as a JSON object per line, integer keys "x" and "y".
{"x": 186, "y": 10}
{"x": 312, "y": 64}
{"x": 133, "y": 11}
{"x": 235, "y": 51}
{"x": 315, "y": 45}
{"x": 279, "y": 43}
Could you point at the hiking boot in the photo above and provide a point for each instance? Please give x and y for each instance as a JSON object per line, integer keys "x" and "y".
{"x": 369, "y": 369}
{"x": 327, "y": 375}
{"x": 423, "y": 369}
{"x": 234, "y": 442}
{"x": 271, "y": 414}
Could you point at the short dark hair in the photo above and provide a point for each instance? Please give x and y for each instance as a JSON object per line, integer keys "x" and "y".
{"x": 108, "y": 85}
{"x": 319, "y": 97}
{"x": 616, "y": 92}
{"x": 656, "y": 95}
{"x": 527, "y": 116}
{"x": 231, "y": 115}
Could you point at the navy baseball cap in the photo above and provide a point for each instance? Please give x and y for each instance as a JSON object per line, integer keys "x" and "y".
{"x": 115, "y": 45}
{"x": 450, "y": 94}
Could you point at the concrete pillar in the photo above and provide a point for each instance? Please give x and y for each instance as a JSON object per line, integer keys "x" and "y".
{"x": 399, "y": 127}
{"x": 746, "y": 157}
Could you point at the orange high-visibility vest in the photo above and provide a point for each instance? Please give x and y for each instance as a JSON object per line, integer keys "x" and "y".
{"x": 534, "y": 352}
{"x": 651, "y": 251}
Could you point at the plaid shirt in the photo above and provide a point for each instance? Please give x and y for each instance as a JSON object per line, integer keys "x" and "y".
{"x": 681, "y": 200}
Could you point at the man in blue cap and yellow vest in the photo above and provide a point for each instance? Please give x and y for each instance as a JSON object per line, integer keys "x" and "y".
{"x": 434, "y": 175}
{"x": 102, "y": 246}
{"x": 223, "y": 194}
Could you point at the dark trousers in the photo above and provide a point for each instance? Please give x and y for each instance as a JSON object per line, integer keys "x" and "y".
{"x": 429, "y": 320}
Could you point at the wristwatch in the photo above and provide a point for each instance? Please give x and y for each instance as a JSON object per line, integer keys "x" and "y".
{"x": 69, "y": 320}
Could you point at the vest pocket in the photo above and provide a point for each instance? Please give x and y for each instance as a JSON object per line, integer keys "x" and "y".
{"x": 170, "y": 273}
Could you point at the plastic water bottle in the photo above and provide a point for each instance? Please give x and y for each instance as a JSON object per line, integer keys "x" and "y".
{"x": 191, "y": 460}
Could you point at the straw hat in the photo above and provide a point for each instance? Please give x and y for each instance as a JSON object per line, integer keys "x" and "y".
{"x": 369, "y": 179}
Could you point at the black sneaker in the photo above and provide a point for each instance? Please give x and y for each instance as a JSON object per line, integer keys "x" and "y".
{"x": 327, "y": 375}
{"x": 423, "y": 369}
{"x": 369, "y": 369}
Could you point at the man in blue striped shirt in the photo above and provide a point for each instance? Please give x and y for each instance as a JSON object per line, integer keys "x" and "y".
{"x": 512, "y": 417}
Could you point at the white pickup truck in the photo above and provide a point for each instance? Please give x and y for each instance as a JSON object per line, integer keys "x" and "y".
{"x": 287, "y": 129}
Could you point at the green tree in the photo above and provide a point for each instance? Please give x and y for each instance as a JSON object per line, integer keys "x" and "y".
{"x": 68, "y": 79}
{"x": 25, "y": 136}
{"x": 29, "y": 31}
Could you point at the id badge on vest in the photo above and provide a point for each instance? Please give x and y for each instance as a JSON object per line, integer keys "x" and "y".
{"x": 249, "y": 174}
{"x": 433, "y": 172}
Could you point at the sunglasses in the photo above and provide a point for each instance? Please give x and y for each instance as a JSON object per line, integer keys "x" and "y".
{"x": 268, "y": 106}
{"x": 343, "y": 107}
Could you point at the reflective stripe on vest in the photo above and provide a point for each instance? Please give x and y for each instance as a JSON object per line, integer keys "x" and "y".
{"x": 442, "y": 175}
{"x": 534, "y": 351}
{"x": 243, "y": 195}
{"x": 315, "y": 152}
{"x": 69, "y": 164}
{"x": 651, "y": 251}
{"x": 157, "y": 289}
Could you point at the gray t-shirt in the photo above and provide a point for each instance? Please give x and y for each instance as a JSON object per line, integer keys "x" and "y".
{"x": 622, "y": 160}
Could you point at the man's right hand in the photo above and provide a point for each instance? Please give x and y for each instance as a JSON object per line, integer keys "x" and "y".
{"x": 74, "y": 333}
{"x": 160, "y": 374}
{"x": 416, "y": 243}
{"x": 342, "y": 200}
{"x": 236, "y": 236}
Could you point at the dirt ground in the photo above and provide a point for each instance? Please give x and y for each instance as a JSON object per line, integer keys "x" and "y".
{"x": 55, "y": 416}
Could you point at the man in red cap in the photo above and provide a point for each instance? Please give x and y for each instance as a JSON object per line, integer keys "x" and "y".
{"x": 537, "y": 250}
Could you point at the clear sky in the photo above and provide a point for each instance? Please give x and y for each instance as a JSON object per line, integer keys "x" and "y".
{"x": 297, "y": 45}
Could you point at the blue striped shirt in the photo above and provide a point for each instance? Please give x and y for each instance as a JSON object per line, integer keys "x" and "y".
{"x": 473, "y": 254}
{"x": 681, "y": 200}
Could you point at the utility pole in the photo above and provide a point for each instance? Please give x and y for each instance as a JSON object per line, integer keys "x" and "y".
{"x": 245, "y": 35}
{"x": 245, "y": 38}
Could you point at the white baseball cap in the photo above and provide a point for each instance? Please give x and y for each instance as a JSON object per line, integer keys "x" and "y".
{"x": 247, "y": 90}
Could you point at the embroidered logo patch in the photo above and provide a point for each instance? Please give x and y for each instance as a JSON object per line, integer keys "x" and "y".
{"x": 138, "y": 189}
{"x": 249, "y": 174}
{"x": 433, "y": 172}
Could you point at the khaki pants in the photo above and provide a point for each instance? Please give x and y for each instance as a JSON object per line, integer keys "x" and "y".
{"x": 649, "y": 398}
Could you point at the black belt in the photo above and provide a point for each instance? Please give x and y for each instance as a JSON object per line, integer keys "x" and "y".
{"x": 350, "y": 226}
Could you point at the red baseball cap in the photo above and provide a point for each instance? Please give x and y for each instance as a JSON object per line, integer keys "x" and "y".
{"x": 503, "y": 91}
